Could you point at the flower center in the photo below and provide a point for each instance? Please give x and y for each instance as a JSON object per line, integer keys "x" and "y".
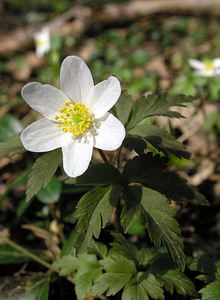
{"x": 74, "y": 118}
{"x": 208, "y": 65}
{"x": 40, "y": 41}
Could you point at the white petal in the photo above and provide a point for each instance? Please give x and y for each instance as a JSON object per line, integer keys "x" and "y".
{"x": 110, "y": 133}
{"x": 44, "y": 98}
{"x": 43, "y": 135}
{"x": 77, "y": 155}
{"x": 217, "y": 72}
{"x": 196, "y": 64}
{"x": 75, "y": 78}
{"x": 204, "y": 73}
{"x": 216, "y": 62}
{"x": 103, "y": 96}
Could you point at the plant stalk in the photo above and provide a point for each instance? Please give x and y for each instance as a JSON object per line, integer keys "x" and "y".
{"x": 28, "y": 253}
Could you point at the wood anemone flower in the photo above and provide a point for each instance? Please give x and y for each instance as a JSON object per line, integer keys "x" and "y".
{"x": 206, "y": 68}
{"x": 42, "y": 41}
{"x": 76, "y": 117}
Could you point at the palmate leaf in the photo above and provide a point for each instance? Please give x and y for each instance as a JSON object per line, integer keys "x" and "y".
{"x": 159, "y": 138}
{"x": 100, "y": 174}
{"x": 93, "y": 211}
{"x": 156, "y": 105}
{"x": 89, "y": 269}
{"x": 123, "y": 247}
{"x": 82, "y": 270}
{"x": 135, "y": 143}
{"x": 42, "y": 171}
{"x": 162, "y": 227}
{"x": 151, "y": 171}
{"x": 143, "y": 287}
{"x": 211, "y": 291}
{"x": 119, "y": 270}
{"x": 66, "y": 265}
{"x": 170, "y": 277}
{"x": 176, "y": 280}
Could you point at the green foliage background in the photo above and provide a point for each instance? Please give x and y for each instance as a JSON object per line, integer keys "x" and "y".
{"x": 121, "y": 231}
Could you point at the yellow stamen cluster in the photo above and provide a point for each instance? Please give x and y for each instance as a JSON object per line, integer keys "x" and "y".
{"x": 208, "y": 65}
{"x": 40, "y": 41}
{"x": 74, "y": 118}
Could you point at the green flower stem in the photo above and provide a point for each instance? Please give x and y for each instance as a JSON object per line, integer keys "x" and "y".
{"x": 28, "y": 253}
{"x": 103, "y": 156}
{"x": 34, "y": 257}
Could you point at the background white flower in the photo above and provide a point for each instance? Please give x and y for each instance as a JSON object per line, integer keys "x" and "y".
{"x": 42, "y": 41}
{"x": 76, "y": 118}
{"x": 206, "y": 68}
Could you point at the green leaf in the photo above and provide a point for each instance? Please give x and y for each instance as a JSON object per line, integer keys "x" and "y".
{"x": 123, "y": 107}
{"x": 51, "y": 193}
{"x": 9, "y": 126}
{"x": 155, "y": 105}
{"x": 135, "y": 143}
{"x": 162, "y": 225}
{"x": 134, "y": 292}
{"x": 204, "y": 263}
{"x": 69, "y": 244}
{"x": 22, "y": 207}
{"x": 151, "y": 171}
{"x": 160, "y": 139}
{"x": 159, "y": 216}
{"x": 94, "y": 210}
{"x": 10, "y": 256}
{"x": 211, "y": 291}
{"x": 152, "y": 287}
{"x": 98, "y": 249}
{"x": 82, "y": 270}
{"x": 131, "y": 210}
{"x": 100, "y": 174}
{"x": 143, "y": 288}
{"x": 11, "y": 147}
{"x": 89, "y": 269}
{"x": 118, "y": 272}
{"x": 42, "y": 171}
{"x": 140, "y": 168}
{"x": 38, "y": 290}
{"x": 174, "y": 279}
{"x": 66, "y": 264}
{"x": 123, "y": 247}
{"x": 171, "y": 278}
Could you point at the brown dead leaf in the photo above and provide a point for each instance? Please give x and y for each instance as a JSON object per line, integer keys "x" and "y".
{"x": 159, "y": 65}
{"x": 205, "y": 170}
{"x": 50, "y": 239}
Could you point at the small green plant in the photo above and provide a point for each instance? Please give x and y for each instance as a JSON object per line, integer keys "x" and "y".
{"x": 119, "y": 193}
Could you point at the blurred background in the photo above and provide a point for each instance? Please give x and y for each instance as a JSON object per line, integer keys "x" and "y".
{"x": 147, "y": 45}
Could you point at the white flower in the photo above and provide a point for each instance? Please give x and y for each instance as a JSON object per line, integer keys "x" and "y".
{"x": 206, "y": 68}
{"x": 42, "y": 41}
{"x": 76, "y": 118}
